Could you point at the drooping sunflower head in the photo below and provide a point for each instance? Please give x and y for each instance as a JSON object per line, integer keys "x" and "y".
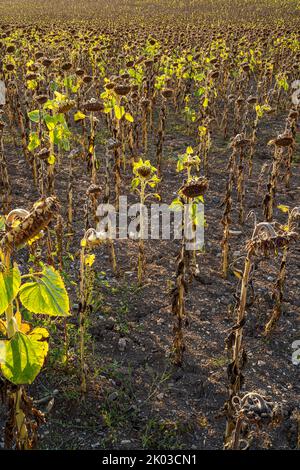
{"x": 283, "y": 140}
{"x": 93, "y": 105}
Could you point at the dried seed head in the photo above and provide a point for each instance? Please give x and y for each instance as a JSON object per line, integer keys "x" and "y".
{"x": 43, "y": 154}
{"x": 145, "y": 102}
{"x": 31, "y": 76}
{"x": 10, "y": 49}
{"x": 240, "y": 100}
{"x": 93, "y": 190}
{"x": 41, "y": 99}
{"x": 93, "y": 105}
{"x": 33, "y": 68}
{"x": 36, "y": 220}
{"x": 245, "y": 66}
{"x": 167, "y": 93}
{"x": 112, "y": 144}
{"x": 122, "y": 90}
{"x": 144, "y": 171}
{"x": 252, "y": 99}
{"x": 266, "y": 241}
{"x": 239, "y": 141}
{"x": 67, "y": 66}
{"x": 87, "y": 79}
{"x": 94, "y": 238}
{"x": 109, "y": 85}
{"x": 214, "y": 74}
{"x": 65, "y": 106}
{"x": 283, "y": 140}
{"x": 38, "y": 55}
{"x": 194, "y": 187}
{"x": 148, "y": 62}
{"x": 79, "y": 72}
{"x": 293, "y": 114}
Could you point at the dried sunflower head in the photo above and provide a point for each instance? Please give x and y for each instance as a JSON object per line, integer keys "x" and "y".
{"x": 67, "y": 66}
{"x": 214, "y": 74}
{"x": 293, "y": 114}
{"x": 122, "y": 90}
{"x": 65, "y": 106}
{"x": 93, "y": 238}
{"x": 10, "y": 67}
{"x": 195, "y": 187}
{"x": 252, "y": 99}
{"x": 31, "y": 225}
{"x": 109, "y": 85}
{"x": 239, "y": 100}
{"x": 93, "y": 105}
{"x": 41, "y": 99}
{"x": 283, "y": 140}
{"x": 93, "y": 190}
{"x": 87, "y": 79}
{"x": 144, "y": 171}
{"x": 43, "y": 154}
{"x": 79, "y": 72}
{"x": 38, "y": 55}
{"x": 31, "y": 76}
{"x": 266, "y": 240}
{"x": 47, "y": 62}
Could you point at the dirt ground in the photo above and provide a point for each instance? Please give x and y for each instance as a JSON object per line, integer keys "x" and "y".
{"x": 136, "y": 398}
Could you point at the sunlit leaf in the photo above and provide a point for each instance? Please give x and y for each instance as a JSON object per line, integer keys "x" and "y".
{"x": 34, "y": 116}
{"x": 283, "y": 208}
{"x": 128, "y": 117}
{"x": 89, "y": 260}
{"x": 22, "y": 357}
{"x": 10, "y": 282}
{"x": 79, "y": 116}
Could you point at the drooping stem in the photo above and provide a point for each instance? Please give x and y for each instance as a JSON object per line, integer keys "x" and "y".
{"x": 161, "y": 135}
{"x": 235, "y": 368}
{"x": 141, "y": 256}
{"x": 178, "y": 307}
{"x": 226, "y": 220}
{"x": 82, "y": 319}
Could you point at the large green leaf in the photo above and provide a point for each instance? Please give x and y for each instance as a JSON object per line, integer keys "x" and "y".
{"x": 34, "y": 115}
{"x": 10, "y": 282}
{"x": 22, "y": 357}
{"x": 46, "y": 295}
